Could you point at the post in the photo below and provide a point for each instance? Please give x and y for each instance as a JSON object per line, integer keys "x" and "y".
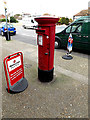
{"x": 7, "y": 35}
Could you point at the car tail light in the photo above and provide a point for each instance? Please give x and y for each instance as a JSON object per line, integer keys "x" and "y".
{"x": 14, "y": 28}
{"x": 5, "y": 29}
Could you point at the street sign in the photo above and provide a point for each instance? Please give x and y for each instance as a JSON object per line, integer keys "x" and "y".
{"x": 7, "y": 33}
{"x": 14, "y": 72}
{"x": 69, "y": 48}
{"x": 70, "y": 42}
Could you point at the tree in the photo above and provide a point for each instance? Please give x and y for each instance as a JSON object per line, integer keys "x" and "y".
{"x": 12, "y": 19}
{"x": 63, "y": 20}
{"x": 59, "y": 20}
{"x": 4, "y": 20}
{"x": 70, "y": 20}
{"x": 67, "y": 21}
{"x": 17, "y": 16}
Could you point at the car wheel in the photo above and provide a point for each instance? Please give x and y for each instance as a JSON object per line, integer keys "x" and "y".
{"x": 24, "y": 27}
{"x": 57, "y": 43}
{"x": 2, "y": 33}
{"x": 15, "y": 33}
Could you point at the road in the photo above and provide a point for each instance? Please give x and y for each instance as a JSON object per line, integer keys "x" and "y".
{"x": 30, "y": 36}
{"x": 25, "y": 35}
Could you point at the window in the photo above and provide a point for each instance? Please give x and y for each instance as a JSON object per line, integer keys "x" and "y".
{"x": 68, "y": 29}
{"x": 76, "y": 28}
{"x": 79, "y": 29}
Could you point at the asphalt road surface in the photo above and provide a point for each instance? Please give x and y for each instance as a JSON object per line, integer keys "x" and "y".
{"x": 30, "y": 36}
{"x": 25, "y": 35}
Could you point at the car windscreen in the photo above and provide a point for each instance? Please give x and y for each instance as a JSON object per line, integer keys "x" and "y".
{"x": 9, "y": 25}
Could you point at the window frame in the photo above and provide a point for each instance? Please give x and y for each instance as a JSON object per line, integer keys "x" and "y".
{"x": 75, "y": 31}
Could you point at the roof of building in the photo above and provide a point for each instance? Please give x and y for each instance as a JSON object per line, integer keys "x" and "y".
{"x": 2, "y": 16}
{"x": 82, "y": 13}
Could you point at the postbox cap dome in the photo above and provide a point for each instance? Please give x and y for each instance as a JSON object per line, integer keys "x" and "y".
{"x": 46, "y": 20}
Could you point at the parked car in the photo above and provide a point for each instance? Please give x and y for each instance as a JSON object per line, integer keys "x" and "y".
{"x": 29, "y": 22}
{"x": 80, "y": 31}
{"x": 3, "y": 29}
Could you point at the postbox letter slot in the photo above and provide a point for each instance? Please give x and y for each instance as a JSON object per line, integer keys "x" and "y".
{"x": 40, "y": 31}
{"x": 46, "y": 53}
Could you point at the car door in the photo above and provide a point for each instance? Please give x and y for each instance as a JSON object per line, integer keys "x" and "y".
{"x": 75, "y": 30}
{"x": 84, "y": 37}
{"x": 64, "y": 36}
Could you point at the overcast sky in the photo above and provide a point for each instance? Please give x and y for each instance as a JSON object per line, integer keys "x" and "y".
{"x": 66, "y": 8}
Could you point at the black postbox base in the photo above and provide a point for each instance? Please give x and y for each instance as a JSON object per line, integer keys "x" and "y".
{"x": 19, "y": 87}
{"x": 67, "y": 57}
{"x": 45, "y": 75}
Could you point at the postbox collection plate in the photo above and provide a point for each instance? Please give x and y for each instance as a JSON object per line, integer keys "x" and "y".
{"x": 40, "y": 40}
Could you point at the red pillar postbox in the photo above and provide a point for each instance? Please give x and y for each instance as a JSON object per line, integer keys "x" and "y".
{"x": 46, "y": 41}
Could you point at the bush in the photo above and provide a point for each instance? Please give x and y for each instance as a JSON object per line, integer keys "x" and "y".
{"x": 13, "y": 20}
{"x": 4, "y": 20}
{"x": 63, "y": 20}
{"x": 70, "y": 20}
{"x": 67, "y": 21}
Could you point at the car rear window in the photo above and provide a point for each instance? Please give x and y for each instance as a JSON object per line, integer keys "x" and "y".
{"x": 9, "y": 25}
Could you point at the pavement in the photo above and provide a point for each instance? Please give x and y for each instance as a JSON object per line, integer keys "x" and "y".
{"x": 65, "y": 97}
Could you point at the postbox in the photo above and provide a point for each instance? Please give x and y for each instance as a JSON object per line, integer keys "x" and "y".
{"x": 46, "y": 40}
